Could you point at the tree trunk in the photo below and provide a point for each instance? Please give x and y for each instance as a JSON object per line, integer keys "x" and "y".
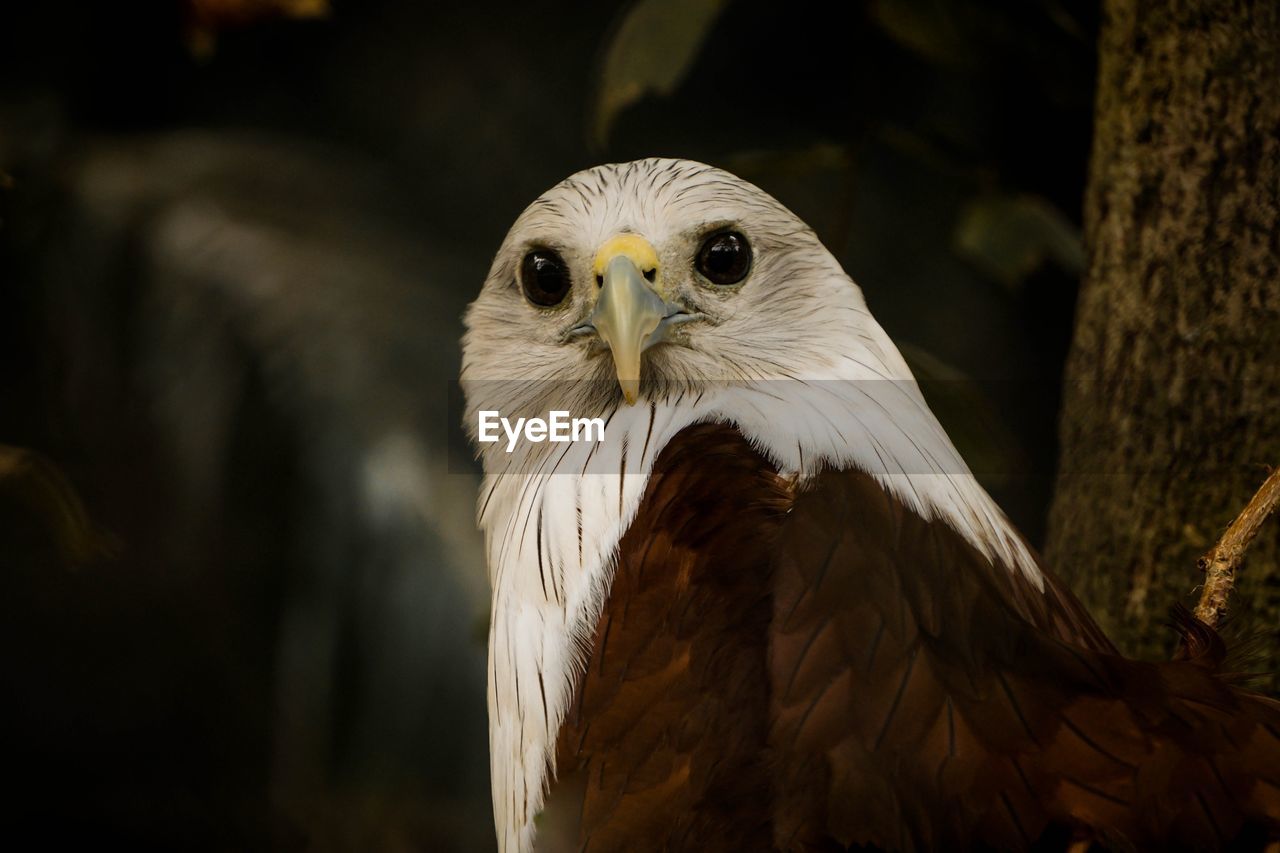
{"x": 1171, "y": 412}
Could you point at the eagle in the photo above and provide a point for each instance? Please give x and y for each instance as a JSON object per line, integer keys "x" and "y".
{"x": 770, "y": 608}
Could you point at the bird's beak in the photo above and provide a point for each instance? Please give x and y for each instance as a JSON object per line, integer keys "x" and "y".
{"x": 629, "y": 312}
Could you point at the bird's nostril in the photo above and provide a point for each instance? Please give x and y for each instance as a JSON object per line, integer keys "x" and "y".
{"x": 651, "y": 274}
{"x": 599, "y": 281}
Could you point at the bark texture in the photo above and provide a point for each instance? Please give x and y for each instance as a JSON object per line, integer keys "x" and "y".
{"x": 1172, "y": 401}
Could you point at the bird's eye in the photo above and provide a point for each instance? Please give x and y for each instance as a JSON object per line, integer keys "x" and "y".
{"x": 725, "y": 258}
{"x": 544, "y": 278}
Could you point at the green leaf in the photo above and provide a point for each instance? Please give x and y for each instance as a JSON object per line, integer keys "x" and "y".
{"x": 651, "y": 52}
{"x": 1009, "y": 236}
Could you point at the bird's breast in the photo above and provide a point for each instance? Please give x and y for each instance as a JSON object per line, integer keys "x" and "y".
{"x": 663, "y": 745}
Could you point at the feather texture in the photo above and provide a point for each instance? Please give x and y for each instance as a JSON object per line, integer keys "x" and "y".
{"x": 816, "y": 667}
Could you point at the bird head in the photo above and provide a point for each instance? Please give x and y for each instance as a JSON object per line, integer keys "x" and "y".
{"x": 636, "y": 278}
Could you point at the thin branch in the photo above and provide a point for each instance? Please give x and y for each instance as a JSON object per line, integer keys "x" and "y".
{"x": 1220, "y": 563}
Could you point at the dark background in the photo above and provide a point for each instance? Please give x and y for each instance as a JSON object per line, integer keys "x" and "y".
{"x": 241, "y": 595}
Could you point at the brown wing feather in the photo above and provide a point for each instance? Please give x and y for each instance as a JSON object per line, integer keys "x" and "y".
{"x": 827, "y": 669}
{"x": 664, "y": 745}
{"x": 924, "y": 699}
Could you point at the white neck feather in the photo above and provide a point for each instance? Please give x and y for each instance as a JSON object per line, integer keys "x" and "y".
{"x": 551, "y": 530}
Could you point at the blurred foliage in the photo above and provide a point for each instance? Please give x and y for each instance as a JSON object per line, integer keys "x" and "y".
{"x": 819, "y": 157}
{"x": 931, "y": 28}
{"x": 956, "y": 35}
{"x": 38, "y": 502}
{"x": 1010, "y": 237}
{"x": 650, "y": 52}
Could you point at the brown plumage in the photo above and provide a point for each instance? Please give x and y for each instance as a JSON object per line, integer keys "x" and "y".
{"x": 819, "y": 668}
